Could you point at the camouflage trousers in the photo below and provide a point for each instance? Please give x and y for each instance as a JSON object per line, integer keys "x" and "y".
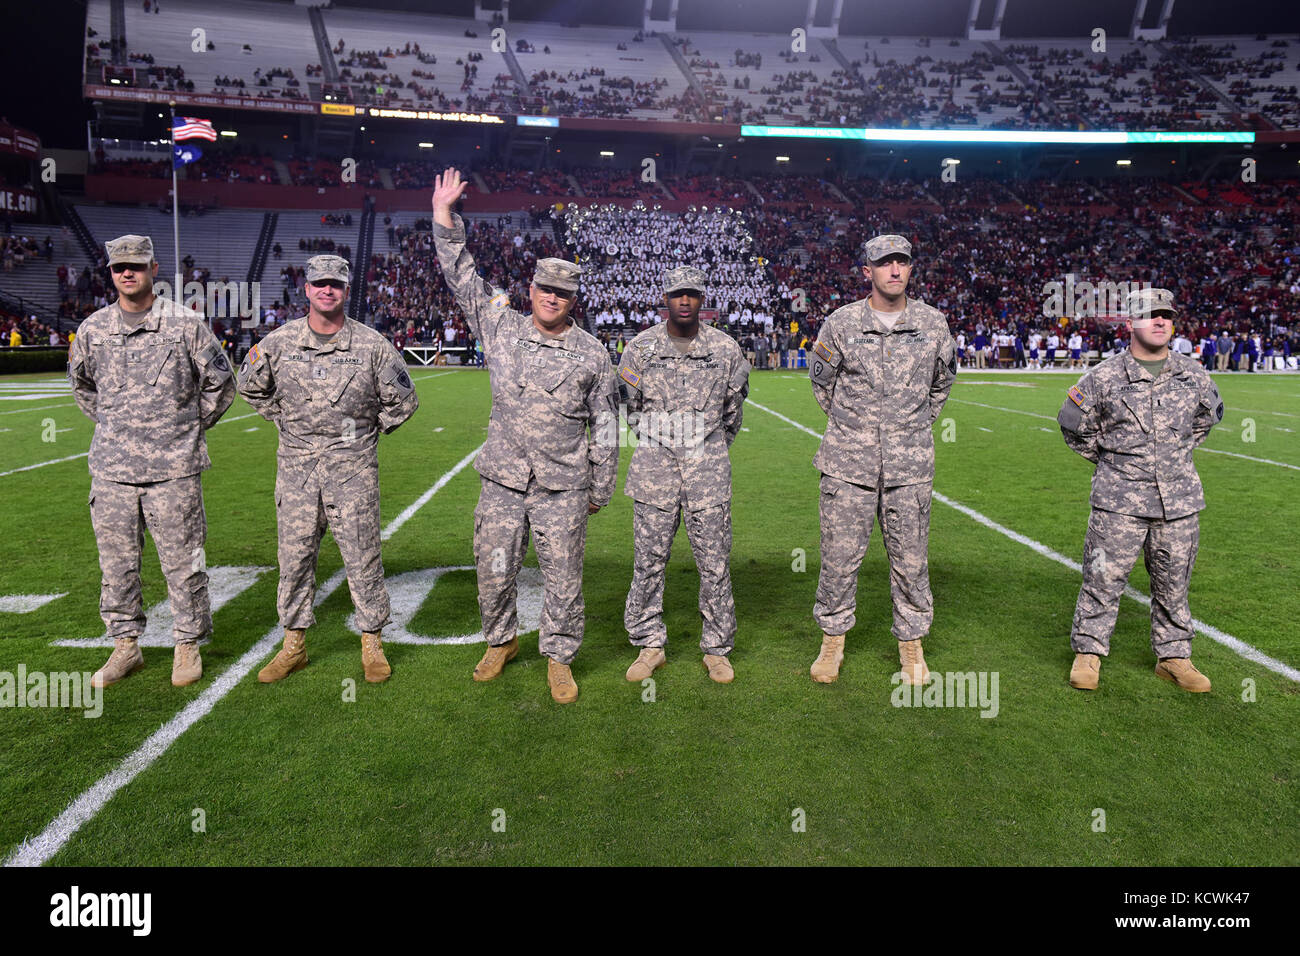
{"x": 305, "y": 505}
{"x": 1110, "y": 550}
{"x": 558, "y": 523}
{"x": 173, "y": 512}
{"x": 847, "y": 514}
{"x": 709, "y": 532}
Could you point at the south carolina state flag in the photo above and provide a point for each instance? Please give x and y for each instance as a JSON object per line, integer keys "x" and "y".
{"x": 191, "y": 127}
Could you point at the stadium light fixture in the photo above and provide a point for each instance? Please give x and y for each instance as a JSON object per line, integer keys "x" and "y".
{"x": 951, "y": 162}
{"x": 425, "y": 145}
{"x": 607, "y": 152}
{"x": 229, "y": 132}
{"x": 783, "y": 159}
{"x": 1123, "y": 162}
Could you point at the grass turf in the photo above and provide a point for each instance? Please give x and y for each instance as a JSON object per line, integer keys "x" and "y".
{"x": 414, "y": 770}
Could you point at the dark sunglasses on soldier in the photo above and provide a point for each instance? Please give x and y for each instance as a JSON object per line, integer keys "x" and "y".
{"x": 563, "y": 294}
{"x": 120, "y": 267}
{"x": 332, "y": 283}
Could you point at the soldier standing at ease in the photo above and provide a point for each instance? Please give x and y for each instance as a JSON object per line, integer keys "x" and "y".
{"x": 551, "y": 457}
{"x": 687, "y": 383}
{"x": 881, "y": 369}
{"x": 153, "y": 378}
{"x": 330, "y": 385}
{"x": 1138, "y": 416}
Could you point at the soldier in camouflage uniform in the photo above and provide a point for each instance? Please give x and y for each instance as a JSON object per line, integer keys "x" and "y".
{"x": 881, "y": 369}
{"x": 331, "y": 385}
{"x": 153, "y": 378}
{"x": 1138, "y": 416}
{"x": 686, "y": 383}
{"x": 551, "y": 456}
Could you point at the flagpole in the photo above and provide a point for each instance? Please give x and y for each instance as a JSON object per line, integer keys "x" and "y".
{"x": 178, "y": 290}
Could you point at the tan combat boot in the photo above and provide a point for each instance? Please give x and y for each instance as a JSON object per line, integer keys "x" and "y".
{"x": 1085, "y": 671}
{"x": 826, "y": 669}
{"x": 292, "y": 657}
{"x": 187, "y": 663}
{"x": 126, "y": 659}
{"x": 913, "y": 661}
{"x": 719, "y": 668}
{"x": 1181, "y": 672}
{"x": 373, "y": 660}
{"x": 563, "y": 689}
{"x": 495, "y": 659}
{"x": 647, "y": 662}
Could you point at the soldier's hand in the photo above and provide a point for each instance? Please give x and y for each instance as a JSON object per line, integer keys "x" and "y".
{"x": 592, "y": 507}
{"x": 447, "y": 189}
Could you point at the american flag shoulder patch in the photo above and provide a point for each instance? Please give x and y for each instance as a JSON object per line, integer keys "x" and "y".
{"x": 631, "y": 377}
{"x": 254, "y": 355}
{"x": 1077, "y": 396}
{"x": 823, "y": 351}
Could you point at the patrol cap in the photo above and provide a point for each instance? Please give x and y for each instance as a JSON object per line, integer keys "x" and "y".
{"x": 1142, "y": 303}
{"x": 873, "y": 250}
{"x": 133, "y": 249}
{"x": 560, "y": 273}
{"x": 320, "y": 268}
{"x": 685, "y": 277}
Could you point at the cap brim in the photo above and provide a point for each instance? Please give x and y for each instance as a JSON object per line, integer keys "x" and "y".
{"x": 684, "y": 288}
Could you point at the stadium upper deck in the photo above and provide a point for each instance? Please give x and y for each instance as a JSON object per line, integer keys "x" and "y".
{"x": 416, "y": 61}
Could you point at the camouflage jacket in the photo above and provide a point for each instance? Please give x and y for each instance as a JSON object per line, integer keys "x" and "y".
{"x": 686, "y": 412}
{"x": 554, "y": 399}
{"x": 881, "y": 391}
{"x": 329, "y": 402}
{"x": 1141, "y": 431}
{"x": 151, "y": 392}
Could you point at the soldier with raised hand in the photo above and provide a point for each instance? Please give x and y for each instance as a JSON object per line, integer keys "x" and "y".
{"x": 881, "y": 369}
{"x": 551, "y": 457}
{"x": 1138, "y": 416}
{"x": 686, "y": 383}
{"x": 154, "y": 379}
{"x": 330, "y": 385}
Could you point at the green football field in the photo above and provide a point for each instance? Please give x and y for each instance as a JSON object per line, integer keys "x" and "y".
{"x": 433, "y": 768}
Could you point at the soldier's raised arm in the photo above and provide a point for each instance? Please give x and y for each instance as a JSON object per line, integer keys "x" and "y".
{"x": 82, "y": 377}
{"x": 484, "y": 305}
{"x": 733, "y": 405}
{"x": 1079, "y": 419}
{"x": 1209, "y": 411}
{"x": 397, "y": 398}
{"x": 215, "y": 378}
{"x": 602, "y": 436}
{"x": 257, "y": 384}
{"x": 824, "y": 365}
{"x": 945, "y": 373}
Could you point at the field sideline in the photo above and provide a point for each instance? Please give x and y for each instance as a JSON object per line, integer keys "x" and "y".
{"x": 418, "y": 770}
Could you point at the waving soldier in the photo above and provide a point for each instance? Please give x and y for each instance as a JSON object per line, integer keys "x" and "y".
{"x": 551, "y": 457}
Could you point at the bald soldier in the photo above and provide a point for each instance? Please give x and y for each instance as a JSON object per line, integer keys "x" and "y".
{"x": 154, "y": 379}
{"x": 686, "y": 384}
{"x": 330, "y": 385}
{"x": 1138, "y": 416}
{"x": 881, "y": 369}
{"x": 551, "y": 456}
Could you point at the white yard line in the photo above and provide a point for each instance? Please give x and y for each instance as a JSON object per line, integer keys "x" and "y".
{"x": 39, "y": 408}
{"x": 1227, "y": 640}
{"x": 42, "y": 464}
{"x": 41, "y": 848}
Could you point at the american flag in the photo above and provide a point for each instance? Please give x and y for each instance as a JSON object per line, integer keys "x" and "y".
{"x": 191, "y": 127}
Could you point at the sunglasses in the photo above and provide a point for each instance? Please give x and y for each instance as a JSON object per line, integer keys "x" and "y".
{"x": 562, "y": 294}
{"x": 327, "y": 283}
{"x": 120, "y": 267}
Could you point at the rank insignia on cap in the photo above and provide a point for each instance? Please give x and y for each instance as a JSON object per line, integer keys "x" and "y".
{"x": 1077, "y": 396}
{"x": 631, "y": 377}
{"x": 823, "y": 351}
